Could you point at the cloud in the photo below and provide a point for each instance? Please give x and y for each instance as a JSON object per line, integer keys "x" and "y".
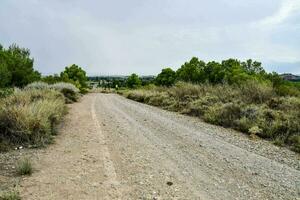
{"x": 287, "y": 9}
{"x": 122, "y": 37}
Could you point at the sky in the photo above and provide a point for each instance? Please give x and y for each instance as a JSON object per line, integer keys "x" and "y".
{"x": 120, "y": 37}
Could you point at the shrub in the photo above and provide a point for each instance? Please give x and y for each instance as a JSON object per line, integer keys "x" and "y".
{"x": 137, "y": 95}
{"x": 200, "y": 106}
{"x": 158, "y": 99}
{"x": 11, "y": 195}
{"x": 37, "y": 85}
{"x": 256, "y": 92}
{"x": 69, "y": 90}
{"x": 212, "y": 115}
{"x": 295, "y": 142}
{"x": 255, "y": 130}
{"x": 252, "y": 107}
{"x": 30, "y": 116}
{"x": 24, "y": 167}
{"x": 181, "y": 90}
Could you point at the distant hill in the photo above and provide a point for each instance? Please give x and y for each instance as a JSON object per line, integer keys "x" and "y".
{"x": 290, "y": 77}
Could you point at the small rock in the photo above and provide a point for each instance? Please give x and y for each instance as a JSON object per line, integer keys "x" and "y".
{"x": 169, "y": 183}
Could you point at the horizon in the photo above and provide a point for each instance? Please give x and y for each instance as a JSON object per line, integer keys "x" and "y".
{"x": 144, "y": 37}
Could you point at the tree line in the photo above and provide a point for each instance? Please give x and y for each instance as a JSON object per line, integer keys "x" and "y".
{"x": 17, "y": 70}
{"x": 231, "y": 71}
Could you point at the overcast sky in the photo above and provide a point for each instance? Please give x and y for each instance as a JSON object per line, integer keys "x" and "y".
{"x": 119, "y": 37}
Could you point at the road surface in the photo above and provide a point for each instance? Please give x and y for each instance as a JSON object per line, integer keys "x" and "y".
{"x": 113, "y": 148}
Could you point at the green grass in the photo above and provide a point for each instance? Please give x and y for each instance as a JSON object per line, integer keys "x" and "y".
{"x": 253, "y": 107}
{"x": 24, "y": 167}
{"x": 11, "y": 195}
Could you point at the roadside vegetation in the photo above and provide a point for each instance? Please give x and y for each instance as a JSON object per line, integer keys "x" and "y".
{"x": 31, "y": 106}
{"x": 233, "y": 94}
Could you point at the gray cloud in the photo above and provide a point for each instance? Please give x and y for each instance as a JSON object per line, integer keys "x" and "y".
{"x": 121, "y": 37}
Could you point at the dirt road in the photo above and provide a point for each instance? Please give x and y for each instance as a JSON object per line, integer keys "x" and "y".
{"x": 114, "y": 148}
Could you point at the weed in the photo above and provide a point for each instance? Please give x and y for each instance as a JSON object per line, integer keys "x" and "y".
{"x": 24, "y": 167}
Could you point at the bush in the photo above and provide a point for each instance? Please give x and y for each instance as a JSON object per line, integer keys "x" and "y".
{"x": 24, "y": 167}
{"x": 223, "y": 114}
{"x": 199, "y": 106}
{"x": 30, "y": 116}
{"x": 256, "y": 92}
{"x": 69, "y": 90}
{"x": 37, "y": 85}
{"x": 295, "y": 142}
{"x": 253, "y": 107}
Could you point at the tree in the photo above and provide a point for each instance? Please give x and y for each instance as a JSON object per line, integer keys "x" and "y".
{"x": 167, "y": 77}
{"x": 5, "y": 75}
{"x": 253, "y": 67}
{"x": 16, "y": 67}
{"x": 192, "y": 71}
{"x": 76, "y": 75}
{"x": 215, "y": 72}
{"x": 51, "y": 79}
{"x": 133, "y": 81}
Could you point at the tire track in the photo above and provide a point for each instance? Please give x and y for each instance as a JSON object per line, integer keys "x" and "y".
{"x": 112, "y": 184}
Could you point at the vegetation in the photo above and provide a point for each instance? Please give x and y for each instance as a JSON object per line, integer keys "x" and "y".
{"x": 24, "y": 167}
{"x": 16, "y": 67}
{"x": 133, "y": 81}
{"x": 167, "y": 77}
{"x": 75, "y": 75}
{"x": 30, "y": 116}
{"x": 69, "y": 91}
{"x": 11, "y": 195}
{"x": 16, "y": 70}
{"x": 239, "y": 95}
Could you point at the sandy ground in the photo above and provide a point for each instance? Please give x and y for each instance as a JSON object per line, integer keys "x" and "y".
{"x": 114, "y": 148}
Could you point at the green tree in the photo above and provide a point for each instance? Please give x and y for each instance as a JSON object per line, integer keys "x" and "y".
{"x": 16, "y": 67}
{"x": 133, "y": 81}
{"x": 5, "y": 75}
{"x": 253, "y": 67}
{"x": 192, "y": 71}
{"x": 51, "y": 79}
{"x": 167, "y": 77}
{"x": 214, "y": 72}
{"x": 76, "y": 75}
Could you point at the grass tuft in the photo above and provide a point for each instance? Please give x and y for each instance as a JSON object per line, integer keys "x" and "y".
{"x": 11, "y": 195}
{"x": 24, "y": 167}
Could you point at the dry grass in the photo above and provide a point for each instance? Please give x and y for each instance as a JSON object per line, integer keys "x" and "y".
{"x": 253, "y": 107}
{"x": 70, "y": 91}
{"x": 30, "y": 116}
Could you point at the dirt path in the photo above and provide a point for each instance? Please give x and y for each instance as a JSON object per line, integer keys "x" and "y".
{"x": 114, "y": 148}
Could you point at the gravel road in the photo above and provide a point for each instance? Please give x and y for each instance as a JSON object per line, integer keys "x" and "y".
{"x": 114, "y": 148}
